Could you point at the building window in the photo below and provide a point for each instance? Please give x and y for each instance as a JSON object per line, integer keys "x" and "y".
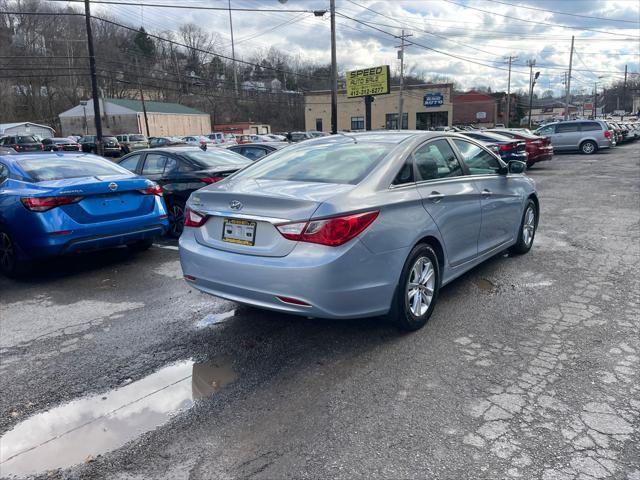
{"x": 391, "y": 121}
{"x": 318, "y": 124}
{"x": 357, "y": 123}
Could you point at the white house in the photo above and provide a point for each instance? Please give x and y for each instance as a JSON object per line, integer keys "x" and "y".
{"x": 26, "y": 128}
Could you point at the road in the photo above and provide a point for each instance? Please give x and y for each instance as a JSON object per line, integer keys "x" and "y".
{"x": 529, "y": 367}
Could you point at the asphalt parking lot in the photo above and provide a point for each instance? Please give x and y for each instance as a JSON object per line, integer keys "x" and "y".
{"x": 529, "y": 367}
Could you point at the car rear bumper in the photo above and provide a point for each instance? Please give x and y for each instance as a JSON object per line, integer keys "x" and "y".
{"x": 336, "y": 282}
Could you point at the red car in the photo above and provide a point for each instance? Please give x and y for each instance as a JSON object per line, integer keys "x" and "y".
{"x": 60, "y": 144}
{"x": 538, "y": 148}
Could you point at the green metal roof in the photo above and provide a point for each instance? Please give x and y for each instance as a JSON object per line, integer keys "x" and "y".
{"x": 155, "y": 107}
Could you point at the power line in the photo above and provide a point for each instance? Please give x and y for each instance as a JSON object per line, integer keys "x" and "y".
{"x": 188, "y": 7}
{"x": 563, "y": 13}
{"x": 533, "y": 21}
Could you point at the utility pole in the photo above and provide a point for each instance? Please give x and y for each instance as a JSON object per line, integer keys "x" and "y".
{"x": 595, "y": 98}
{"x": 624, "y": 94}
{"x": 144, "y": 111}
{"x": 334, "y": 71}
{"x": 400, "y": 98}
{"x": 233, "y": 51}
{"x": 532, "y": 83}
{"x": 566, "y": 111}
{"x": 94, "y": 79}
{"x": 511, "y": 59}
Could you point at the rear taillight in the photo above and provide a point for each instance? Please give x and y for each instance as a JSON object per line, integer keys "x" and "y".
{"x": 329, "y": 231}
{"x": 194, "y": 219}
{"x": 607, "y": 134}
{"x": 506, "y": 146}
{"x": 41, "y": 147}
{"x": 211, "y": 179}
{"x": 42, "y": 204}
{"x": 16, "y": 147}
{"x": 152, "y": 190}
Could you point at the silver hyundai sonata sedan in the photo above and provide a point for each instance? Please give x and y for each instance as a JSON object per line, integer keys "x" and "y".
{"x": 357, "y": 225}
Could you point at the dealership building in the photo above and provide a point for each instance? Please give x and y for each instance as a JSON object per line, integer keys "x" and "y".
{"x": 426, "y": 106}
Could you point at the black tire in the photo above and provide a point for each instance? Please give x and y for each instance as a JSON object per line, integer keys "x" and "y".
{"x": 588, "y": 147}
{"x": 125, "y": 150}
{"x": 140, "y": 246}
{"x": 175, "y": 211}
{"x": 524, "y": 243}
{"x": 401, "y": 313}
{"x": 10, "y": 266}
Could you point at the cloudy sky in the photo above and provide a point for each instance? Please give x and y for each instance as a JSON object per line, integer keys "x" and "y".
{"x": 466, "y": 40}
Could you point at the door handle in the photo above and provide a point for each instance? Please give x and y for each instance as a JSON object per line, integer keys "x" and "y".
{"x": 486, "y": 193}
{"x": 435, "y": 197}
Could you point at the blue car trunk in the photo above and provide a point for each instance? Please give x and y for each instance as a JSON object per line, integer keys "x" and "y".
{"x": 108, "y": 198}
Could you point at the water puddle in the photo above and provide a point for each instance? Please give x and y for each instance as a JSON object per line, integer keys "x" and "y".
{"x": 486, "y": 285}
{"x": 215, "y": 318}
{"x": 82, "y": 429}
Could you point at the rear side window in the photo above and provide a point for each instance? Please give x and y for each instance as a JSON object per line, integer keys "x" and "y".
{"x": 4, "y": 172}
{"x": 478, "y": 160}
{"x": 154, "y": 164}
{"x": 548, "y": 130}
{"x": 566, "y": 127}
{"x": 130, "y": 163}
{"x": 59, "y": 168}
{"x": 345, "y": 163}
{"x": 590, "y": 126}
{"x": 26, "y": 139}
{"x": 436, "y": 160}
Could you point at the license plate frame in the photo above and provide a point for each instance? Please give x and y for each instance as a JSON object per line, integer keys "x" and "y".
{"x": 239, "y": 231}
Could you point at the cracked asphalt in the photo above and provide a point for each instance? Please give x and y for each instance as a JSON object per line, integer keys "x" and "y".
{"x": 529, "y": 367}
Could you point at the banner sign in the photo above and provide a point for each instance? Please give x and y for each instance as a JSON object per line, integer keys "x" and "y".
{"x": 433, "y": 99}
{"x": 368, "y": 81}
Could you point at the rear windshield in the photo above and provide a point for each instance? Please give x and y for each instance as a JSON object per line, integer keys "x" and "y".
{"x": 492, "y": 136}
{"x": 324, "y": 163}
{"x": 46, "y": 169}
{"x": 137, "y": 138}
{"x": 216, "y": 158}
{"x": 61, "y": 140}
{"x": 26, "y": 139}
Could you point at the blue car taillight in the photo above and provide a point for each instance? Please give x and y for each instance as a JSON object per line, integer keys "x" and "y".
{"x": 42, "y": 204}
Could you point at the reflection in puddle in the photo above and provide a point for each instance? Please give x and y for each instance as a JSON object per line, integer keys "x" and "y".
{"x": 70, "y": 433}
{"x": 214, "y": 318}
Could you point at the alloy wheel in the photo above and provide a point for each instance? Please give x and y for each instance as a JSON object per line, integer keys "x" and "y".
{"x": 420, "y": 286}
{"x": 6, "y": 252}
{"x": 588, "y": 147}
{"x": 529, "y": 226}
{"x": 176, "y": 220}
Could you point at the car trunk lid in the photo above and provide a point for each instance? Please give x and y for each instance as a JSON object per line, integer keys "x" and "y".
{"x": 258, "y": 205}
{"x": 102, "y": 198}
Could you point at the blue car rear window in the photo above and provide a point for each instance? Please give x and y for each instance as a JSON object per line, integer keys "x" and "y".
{"x": 60, "y": 168}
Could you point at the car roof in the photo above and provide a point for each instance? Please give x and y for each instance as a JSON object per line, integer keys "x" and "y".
{"x": 261, "y": 144}
{"x": 12, "y": 158}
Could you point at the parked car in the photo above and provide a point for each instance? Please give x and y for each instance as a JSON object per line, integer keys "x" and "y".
{"x": 357, "y": 225}
{"x": 255, "y": 151}
{"x": 60, "y": 144}
{"x": 586, "y": 136}
{"x": 313, "y": 133}
{"x": 634, "y": 129}
{"x": 55, "y": 204}
{"x": 221, "y": 138}
{"x": 110, "y": 145}
{"x": 508, "y": 148}
{"x": 161, "y": 142}
{"x": 298, "y": 136}
{"x": 180, "y": 171}
{"x": 539, "y": 149}
{"x": 199, "y": 141}
{"x": 632, "y": 134}
{"x": 130, "y": 142}
{"x": 616, "y": 132}
{"x": 22, "y": 143}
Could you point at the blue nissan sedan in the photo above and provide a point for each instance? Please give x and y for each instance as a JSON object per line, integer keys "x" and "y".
{"x": 55, "y": 204}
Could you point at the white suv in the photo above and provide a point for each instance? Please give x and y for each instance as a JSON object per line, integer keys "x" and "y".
{"x": 221, "y": 138}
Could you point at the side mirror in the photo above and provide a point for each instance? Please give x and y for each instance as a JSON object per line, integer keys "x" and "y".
{"x": 516, "y": 166}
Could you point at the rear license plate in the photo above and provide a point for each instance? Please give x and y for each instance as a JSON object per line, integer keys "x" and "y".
{"x": 241, "y": 232}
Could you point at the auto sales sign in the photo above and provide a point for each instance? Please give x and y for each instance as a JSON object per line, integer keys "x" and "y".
{"x": 368, "y": 81}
